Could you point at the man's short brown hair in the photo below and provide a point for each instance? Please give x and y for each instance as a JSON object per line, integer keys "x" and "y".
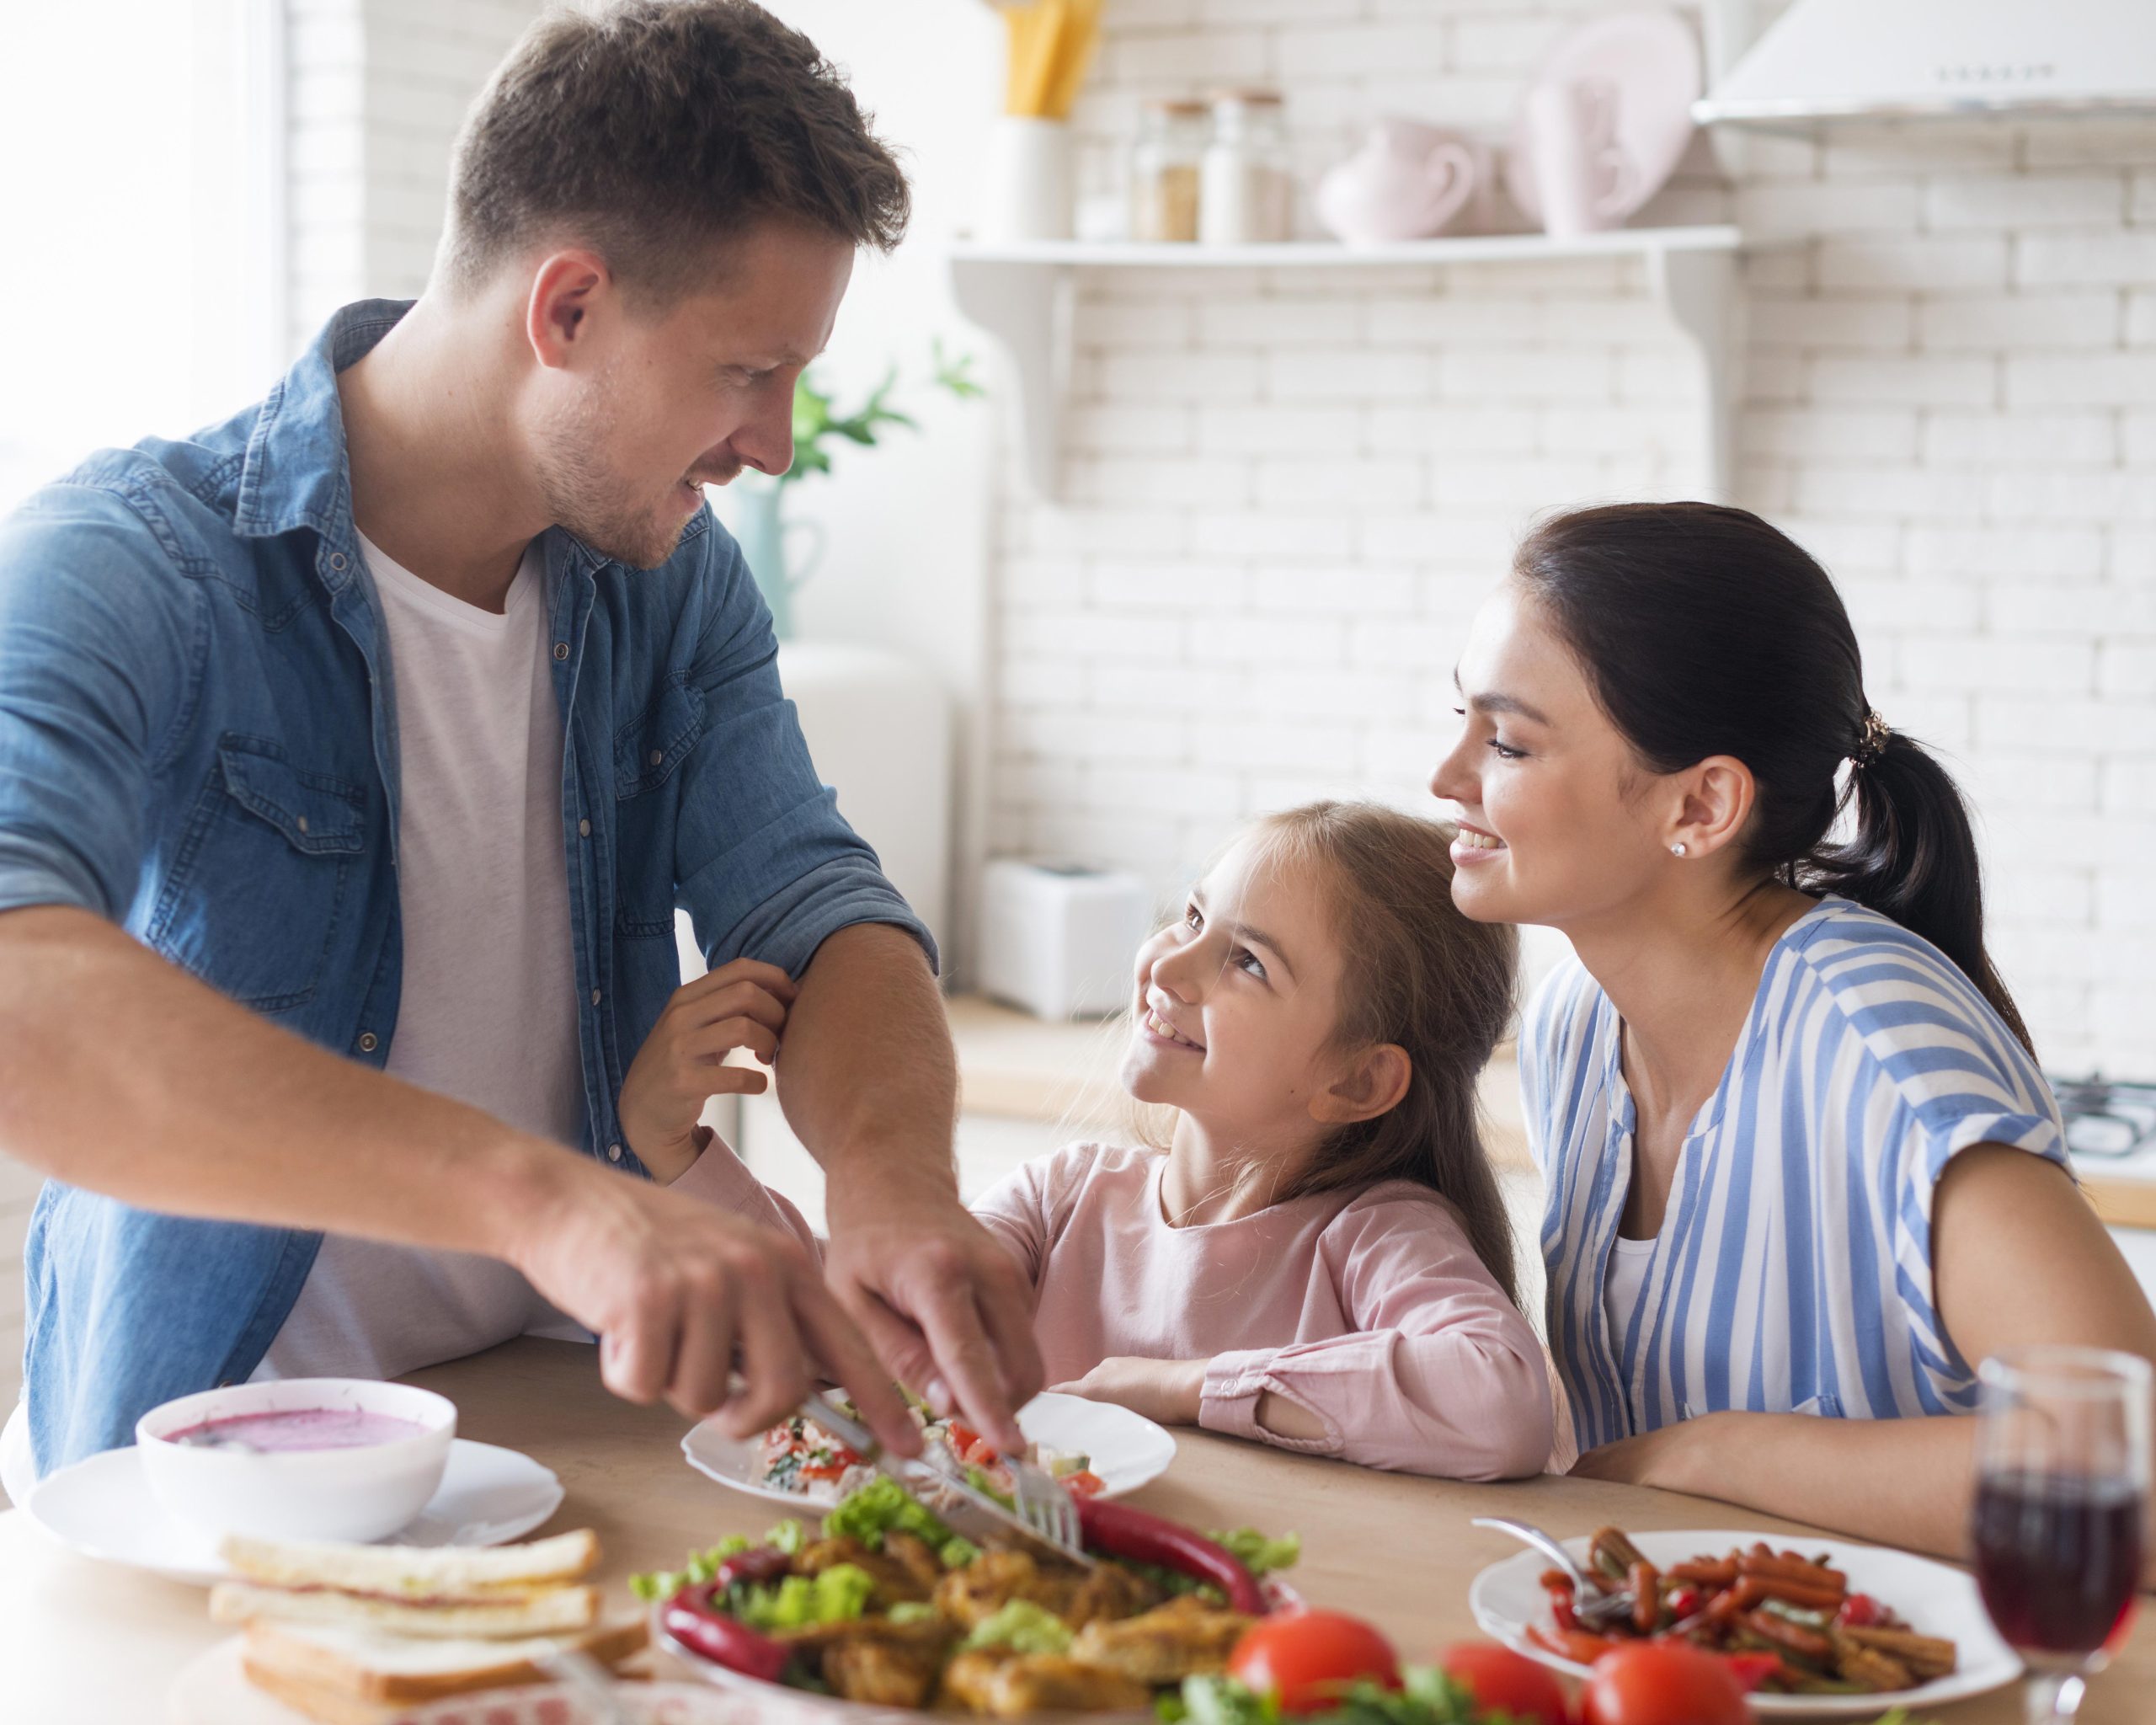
{"x": 654, "y": 131}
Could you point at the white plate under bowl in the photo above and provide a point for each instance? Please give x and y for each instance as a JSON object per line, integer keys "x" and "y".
{"x": 103, "y": 1507}
{"x": 1126, "y": 1450}
{"x": 1935, "y": 1599}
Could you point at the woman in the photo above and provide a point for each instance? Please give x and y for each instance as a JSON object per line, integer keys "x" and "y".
{"x": 1800, "y": 1159}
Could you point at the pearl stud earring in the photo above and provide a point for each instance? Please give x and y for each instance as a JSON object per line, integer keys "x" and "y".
{"x": 1677, "y": 850}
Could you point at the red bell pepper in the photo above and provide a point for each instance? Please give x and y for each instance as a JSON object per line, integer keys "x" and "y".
{"x": 1117, "y": 1530}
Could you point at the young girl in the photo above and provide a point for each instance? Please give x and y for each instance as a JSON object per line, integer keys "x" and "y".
{"x": 1319, "y": 1257}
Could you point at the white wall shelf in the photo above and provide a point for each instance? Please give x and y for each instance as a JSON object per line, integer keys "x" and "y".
{"x": 1020, "y": 294}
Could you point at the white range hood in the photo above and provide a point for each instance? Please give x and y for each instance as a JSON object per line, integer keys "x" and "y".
{"x": 1833, "y": 59}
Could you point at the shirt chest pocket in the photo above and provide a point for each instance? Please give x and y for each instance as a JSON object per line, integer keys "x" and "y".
{"x": 265, "y": 877}
{"x": 648, "y": 753}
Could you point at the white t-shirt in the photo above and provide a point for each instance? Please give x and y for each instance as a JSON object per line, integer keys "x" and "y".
{"x": 488, "y": 1013}
{"x": 1627, "y": 1281}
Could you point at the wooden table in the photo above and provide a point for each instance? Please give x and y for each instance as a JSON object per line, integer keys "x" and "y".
{"x": 86, "y": 1643}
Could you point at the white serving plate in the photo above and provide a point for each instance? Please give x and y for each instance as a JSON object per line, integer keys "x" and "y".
{"x": 103, "y": 1507}
{"x": 212, "y": 1689}
{"x": 832, "y": 1710}
{"x": 1127, "y": 1451}
{"x": 1936, "y": 1598}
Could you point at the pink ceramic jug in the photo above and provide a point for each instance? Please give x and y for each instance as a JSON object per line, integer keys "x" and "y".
{"x": 1406, "y": 182}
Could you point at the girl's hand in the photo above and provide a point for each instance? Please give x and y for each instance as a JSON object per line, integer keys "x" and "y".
{"x": 1167, "y": 1391}
{"x": 682, "y": 1065}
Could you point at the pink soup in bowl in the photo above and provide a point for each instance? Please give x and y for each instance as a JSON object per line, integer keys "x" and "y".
{"x": 299, "y": 1458}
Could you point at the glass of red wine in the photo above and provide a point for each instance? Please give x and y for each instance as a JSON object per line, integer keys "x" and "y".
{"x": 2062, "y": 1511}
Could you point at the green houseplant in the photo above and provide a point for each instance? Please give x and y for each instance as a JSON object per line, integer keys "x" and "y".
{"x": 818, "y": 427}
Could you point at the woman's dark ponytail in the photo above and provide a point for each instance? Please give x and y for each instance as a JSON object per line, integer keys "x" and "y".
{"x": 1913, "y": 856}
{"x": 1704, "y": 631}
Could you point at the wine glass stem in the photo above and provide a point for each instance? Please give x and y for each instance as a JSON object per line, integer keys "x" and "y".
{"x": 2054, "y": 1700}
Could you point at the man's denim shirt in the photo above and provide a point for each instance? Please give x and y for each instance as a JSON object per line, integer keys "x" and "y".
{"x": 198, "y": 741}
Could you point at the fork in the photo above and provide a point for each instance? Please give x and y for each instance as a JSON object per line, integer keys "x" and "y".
{"x": 1041, "y": 1501}
{"x": 1595, "y": 1603}
{"x": 591, "y": 1683}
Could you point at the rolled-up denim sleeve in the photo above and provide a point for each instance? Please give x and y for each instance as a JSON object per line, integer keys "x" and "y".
{"x": 99, "y": 649}
{"x": 767, "y": 867}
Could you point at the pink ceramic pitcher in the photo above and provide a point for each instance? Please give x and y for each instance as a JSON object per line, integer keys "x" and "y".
{"x": 1406, "y": 182}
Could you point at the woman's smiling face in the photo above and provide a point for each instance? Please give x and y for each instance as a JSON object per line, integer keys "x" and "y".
{"x": 1237, "y": 1001}
{"x": 1553, "y": 828}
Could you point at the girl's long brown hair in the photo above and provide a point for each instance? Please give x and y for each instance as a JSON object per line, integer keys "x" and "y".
{"x": 1419, "y": 974}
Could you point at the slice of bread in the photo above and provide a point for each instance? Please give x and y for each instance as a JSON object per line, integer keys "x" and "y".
{"x": 549, "y": 1611}
{"x": 328, "y": 1706}
{"x": 414, "y": 1571}
{"x": 368, "y": 1668}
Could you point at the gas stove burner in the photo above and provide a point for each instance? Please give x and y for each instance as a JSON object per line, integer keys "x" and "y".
{"x": 2106, "y": 1118}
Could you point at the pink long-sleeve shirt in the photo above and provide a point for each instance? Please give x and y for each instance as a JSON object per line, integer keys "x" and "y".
{"x": 1369, "y": 1309}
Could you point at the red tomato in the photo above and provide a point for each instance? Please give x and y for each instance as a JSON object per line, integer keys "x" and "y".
{"x": 1860, "y": 1611}
{"x": 1502, "y": 1681}
{"x": 1084, "y": 1484}
{"x": 963, "y": 1437}
{"x": 1309, "y": 1658}
{"x": 1751, "y": 1669}
{"x": 1663, "y": 1683}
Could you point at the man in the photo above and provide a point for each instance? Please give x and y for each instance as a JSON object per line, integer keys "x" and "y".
{"x": 355, "y": 754}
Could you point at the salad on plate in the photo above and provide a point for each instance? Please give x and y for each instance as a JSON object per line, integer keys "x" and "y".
{"x": 799, "y": 1455}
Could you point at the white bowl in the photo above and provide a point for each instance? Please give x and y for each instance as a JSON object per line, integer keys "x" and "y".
{"x": 367, "y": 1491}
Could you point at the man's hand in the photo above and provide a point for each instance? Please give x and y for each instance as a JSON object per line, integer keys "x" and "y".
{"x": 677, "y": 1291}
{"x": 943, "y": 1302}
{"x": 682, "y": 1064}
{"x": 1168, "y": 1392}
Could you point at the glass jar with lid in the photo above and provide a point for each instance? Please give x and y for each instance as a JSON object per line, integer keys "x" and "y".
{"x": 1165, "y": 165}
{"x": 1246, "y": 192}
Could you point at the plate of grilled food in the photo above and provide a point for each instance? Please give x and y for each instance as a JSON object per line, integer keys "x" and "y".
{"x": 887, "y": 1612}
{"x": 1820, "y": 1630}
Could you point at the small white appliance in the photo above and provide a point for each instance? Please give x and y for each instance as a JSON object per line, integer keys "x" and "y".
{"x": 1058, "y": 938}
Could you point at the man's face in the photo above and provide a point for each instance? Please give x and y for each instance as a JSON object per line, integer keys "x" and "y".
{"x": 651, "y": 404}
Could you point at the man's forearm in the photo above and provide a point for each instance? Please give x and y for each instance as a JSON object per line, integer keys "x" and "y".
{"x": 867, "y": 1075}
{"x": 121, "y": 1073}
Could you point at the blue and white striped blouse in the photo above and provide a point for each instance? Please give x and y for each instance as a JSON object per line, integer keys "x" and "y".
{"x": 1793, "y": 1270}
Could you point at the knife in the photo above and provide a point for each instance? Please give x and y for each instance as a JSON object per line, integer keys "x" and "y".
{"x": 947, "y": 1492}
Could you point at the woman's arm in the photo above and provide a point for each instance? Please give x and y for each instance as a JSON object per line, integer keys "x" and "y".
{"x": 2019, "y": 1257}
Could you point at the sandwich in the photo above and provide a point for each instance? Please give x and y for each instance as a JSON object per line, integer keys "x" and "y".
{"x": 453, "y": 1591}
{"x": 352, "y": 1635}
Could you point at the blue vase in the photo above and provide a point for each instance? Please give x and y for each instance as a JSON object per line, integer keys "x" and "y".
{"x": 760, "y": 527}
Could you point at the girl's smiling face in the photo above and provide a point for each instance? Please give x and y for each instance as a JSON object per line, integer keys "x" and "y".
{"x": 1557, "y": 818}
{"x": 1237, "y": 1001}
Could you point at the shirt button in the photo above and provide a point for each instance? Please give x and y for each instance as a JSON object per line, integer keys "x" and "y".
{"x": 337, "y": 559}
{"x": 658, "y": 756}
{"x": 584, "y": 829}
{"x": 613, "y": 1152}
{"x": 595, "y": 996}
{"x": 302, "y": 822}
{"x": 369, "y": 1042}
{"x": 561, "y": 649}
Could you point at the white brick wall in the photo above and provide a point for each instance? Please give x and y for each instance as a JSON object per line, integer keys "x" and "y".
{"x": 378, "y": 90}
{"x": 1285, "y": 492}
